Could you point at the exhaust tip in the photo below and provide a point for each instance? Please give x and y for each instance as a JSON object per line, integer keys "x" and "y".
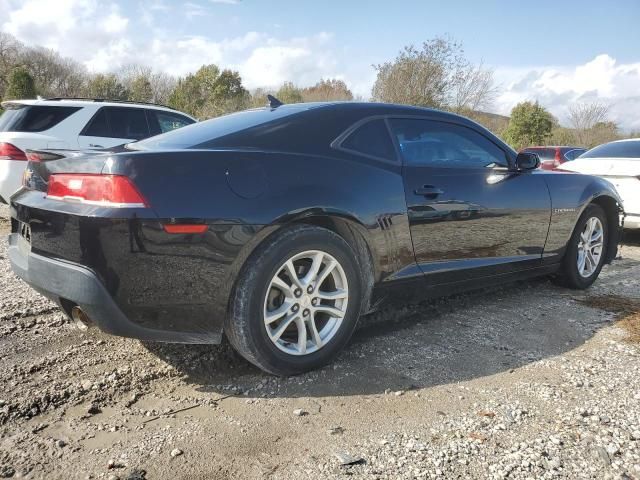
{"x": 80, "y": 318}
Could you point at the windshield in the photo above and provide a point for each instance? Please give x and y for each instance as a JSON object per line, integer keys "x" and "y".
{"x": 196, "y": 134}
{"x": 626, "y": 149}
{"x": 33, "y": 118}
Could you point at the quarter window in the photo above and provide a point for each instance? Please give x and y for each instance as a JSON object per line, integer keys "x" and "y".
{"x": 168, "y": 121}
{"x": 371, "y": 139}
{"x": 445, "y": 145}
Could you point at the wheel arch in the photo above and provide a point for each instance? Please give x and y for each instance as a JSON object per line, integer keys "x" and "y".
{"x": 357, "y": 236}
{"x": 612, "y": 209}
{"x": 347, "y": 227}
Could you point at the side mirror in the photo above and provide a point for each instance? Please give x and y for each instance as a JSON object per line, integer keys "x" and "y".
{"x": 527, "y": 161}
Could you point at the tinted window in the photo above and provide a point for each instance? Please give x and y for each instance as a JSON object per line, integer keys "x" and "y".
{"x": 196, "y": 134}
{"x": 33, "y": 118}
{"x": 128, "y": 123}
{"x": 445, "y": 145}
{"x": 373, "y": 139}
{"x": 163, "y": 122}
{"x": 575, "y": 153}
{"x": 626, "y": 149}
{"x": 117, "y": 122}
{"x": 98, "y": 126}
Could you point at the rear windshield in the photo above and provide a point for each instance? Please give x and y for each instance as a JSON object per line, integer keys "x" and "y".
{"x": 33, "y": 118}
{"x": 543, "y": 153}
{"x": 628, "y": 149}
{"x": 198, "y": 133}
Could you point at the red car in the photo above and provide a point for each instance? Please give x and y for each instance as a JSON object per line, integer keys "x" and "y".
{"x": 553, "y": 157}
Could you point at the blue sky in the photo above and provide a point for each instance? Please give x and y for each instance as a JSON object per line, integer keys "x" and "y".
{"x": 557, "y": 52}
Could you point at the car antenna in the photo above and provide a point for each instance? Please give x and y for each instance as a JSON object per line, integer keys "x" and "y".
{"x": 273, "y": 101}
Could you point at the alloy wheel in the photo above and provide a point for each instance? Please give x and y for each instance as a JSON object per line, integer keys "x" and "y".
{"x": 306, "y": 302}
{"x": 590, "y": 247}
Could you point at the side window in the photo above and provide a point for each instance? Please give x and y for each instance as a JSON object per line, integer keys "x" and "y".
{"x": 573, "y": 154}
{"x": 169, "y": 121}
{"x": 445, "y": 145}
{"x": 98, "y": 126}
{"x": 130, "y": 123}
{"x": 371, "y": 139}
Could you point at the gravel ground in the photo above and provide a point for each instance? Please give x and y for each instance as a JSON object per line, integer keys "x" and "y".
{"x": 525, "y": 381}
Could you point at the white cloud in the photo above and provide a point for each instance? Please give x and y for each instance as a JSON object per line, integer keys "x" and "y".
{"x": 602, "y": 79}
{"x": 104, "y": 36}
{"x": 227, "y": 2}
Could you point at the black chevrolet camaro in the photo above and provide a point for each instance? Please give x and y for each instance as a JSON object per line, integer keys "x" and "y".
{"x": 280, "y": 226}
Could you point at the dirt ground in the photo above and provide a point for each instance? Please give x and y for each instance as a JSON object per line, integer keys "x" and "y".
{"x": 526, "y": 381}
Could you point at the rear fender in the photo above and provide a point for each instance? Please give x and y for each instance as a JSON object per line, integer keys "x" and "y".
{"x": 570, "y": 196}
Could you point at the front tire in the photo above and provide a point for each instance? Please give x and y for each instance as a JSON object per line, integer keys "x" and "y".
{"x": 296, "y": 301}
{"x": 587, "y": 249}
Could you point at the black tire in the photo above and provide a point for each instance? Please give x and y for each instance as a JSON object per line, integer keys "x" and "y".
{"x": 245, "y": 326}
{"x": 569, "y": 276}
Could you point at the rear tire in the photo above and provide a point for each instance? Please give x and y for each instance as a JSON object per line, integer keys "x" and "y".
{"x": 586, "y": 251}
{"x": 288, "y": 326}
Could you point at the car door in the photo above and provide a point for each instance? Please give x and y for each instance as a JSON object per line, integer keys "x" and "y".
{"x": 470, "y": 213}
{"x": 112, "y": 126}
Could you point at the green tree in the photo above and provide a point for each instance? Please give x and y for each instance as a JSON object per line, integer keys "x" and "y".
{"x": 327, "y": 90}
{"x": 530, "y": 124}
{"x": 20, "y": 85}
{"x": 289, "y": 93}
{"x": 107, "y": 87}
{"x": 209, "y": 93}
{"x": 562, "y": 136}
{"x": 141, "y": 90}
{"x": 437, "y": 75}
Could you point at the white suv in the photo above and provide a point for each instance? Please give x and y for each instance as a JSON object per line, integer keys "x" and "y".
{"x": 60, "y": 123}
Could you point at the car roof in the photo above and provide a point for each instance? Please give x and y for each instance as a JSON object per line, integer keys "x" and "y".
{"x": 626, "y": 140}
{"x": 83, "y": 102}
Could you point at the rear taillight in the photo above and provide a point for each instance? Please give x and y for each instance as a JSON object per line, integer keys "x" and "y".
{"x": 114, "y": 191}
{"x": 557, "y": 161}
{"x": 11, "y": 152}
{"x": 37, "y": 156}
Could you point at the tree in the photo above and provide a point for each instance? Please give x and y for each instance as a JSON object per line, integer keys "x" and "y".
{"x": 289, "y": 93}
{"x": 210, "y": 93}
{"x": 562, "y": 136}
{"x": 146, "y": 85}
{"x": 327, "y": 90}
{"x": 259, "y": 97}
{"x": 584, "y": 117}
{"x": 107, "y": 87}
{"x": 438, "y": 75}
{"x": 530, "y": 124}
{"x": 20, "y": 85}
{"x": 140, "y": 90}
{"x": 602, "y": 132}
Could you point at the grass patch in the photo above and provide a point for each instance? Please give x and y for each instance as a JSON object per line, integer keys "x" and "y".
{"x": 627, "y": 311}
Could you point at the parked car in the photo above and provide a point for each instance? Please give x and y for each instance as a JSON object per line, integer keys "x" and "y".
{"x": 619, "y": 163}
{"x": 60, "y": 123}
{"x": 553, "y": 157}
{"x": 280, "y": 226}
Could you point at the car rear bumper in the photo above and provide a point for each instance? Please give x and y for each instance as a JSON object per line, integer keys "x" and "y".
{"x": 71, "y": 284}
{"x": 632, "y": 221}
{"x": 11, "y": 172}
